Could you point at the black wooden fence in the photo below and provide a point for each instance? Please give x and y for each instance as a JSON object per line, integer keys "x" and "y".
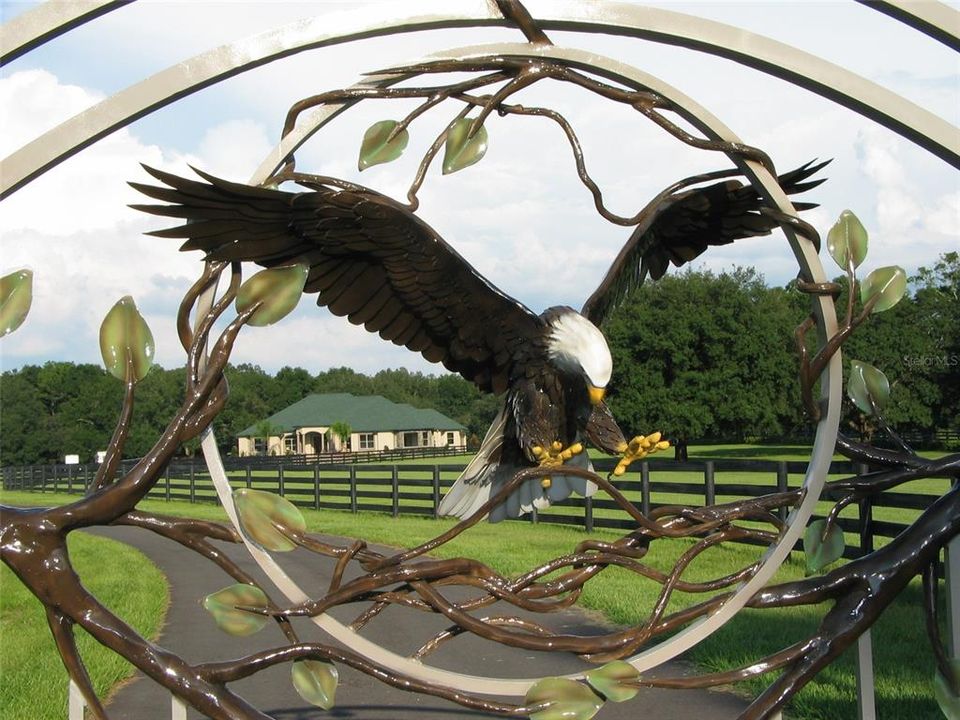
{"x": 417, "y": 489}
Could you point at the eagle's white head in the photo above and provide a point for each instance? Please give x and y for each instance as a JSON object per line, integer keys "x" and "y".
{"x": 575, "y": 345}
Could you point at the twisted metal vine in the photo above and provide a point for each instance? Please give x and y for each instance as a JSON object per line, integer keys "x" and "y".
{"x": 33, "y": 541}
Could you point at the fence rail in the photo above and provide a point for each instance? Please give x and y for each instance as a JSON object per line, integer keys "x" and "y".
{"x": 417, "y": 489}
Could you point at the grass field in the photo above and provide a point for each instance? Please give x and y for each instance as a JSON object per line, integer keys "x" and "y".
{"x": 904, "y": 664}
{"x": 34, "y": 682}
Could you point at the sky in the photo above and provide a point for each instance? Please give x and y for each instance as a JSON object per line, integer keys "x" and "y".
{"x": 520, "y": 216}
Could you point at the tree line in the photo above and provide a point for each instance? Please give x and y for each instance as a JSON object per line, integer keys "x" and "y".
{"x": 696, "y": 355}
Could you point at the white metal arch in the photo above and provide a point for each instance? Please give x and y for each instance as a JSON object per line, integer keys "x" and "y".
{"x": 801, "y": 68}
{"x": 798, "y": 67}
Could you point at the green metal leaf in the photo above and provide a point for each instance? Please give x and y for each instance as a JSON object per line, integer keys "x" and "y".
{"x": 316, "y": 682}
{"x": 125, "y": 334}
{"x": 616, "y": 680}
{"x": 16, "y": 294}
{"x": 948, "y": 702}
{"x": 890, "y": 283}
{"x": 820, "y": 549}
{"x": 462, "y": 151}
{"x": 375, "y": 149}
{"x": 263, "y": 515}
{"x": 867, "y": 383}
{"x": 223, "y": 606}
{"x": 847, "y": 241}
{"x": 276, "y": 290}
{"x": 562, "y": 699}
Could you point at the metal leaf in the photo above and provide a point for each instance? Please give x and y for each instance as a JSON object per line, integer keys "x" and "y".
{"x": 16, "y": 294}
{"x": 562, "y": 699}
{"x": 948, "y": 702}
{"x": 263, "y": 516}
{"x": 375, "y": 148}
{"x": 224, "y": 604}
{"x": 889, "y": 283}
{"x": 616, "y": 680}
{"x": 847, "y": 240}
{"x": 125, "y": 335}
{"x": 820, "y": 549}
{"x": 462, "y": 151}
{"x": 316, "y": 682}
{"x": 867, "y": 383}
{"x": 277, "y": 292}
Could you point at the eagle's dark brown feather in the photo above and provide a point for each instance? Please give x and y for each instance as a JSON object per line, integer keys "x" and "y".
{"x": 682, "y": 227}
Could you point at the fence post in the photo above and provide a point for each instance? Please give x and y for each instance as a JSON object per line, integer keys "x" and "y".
{"x": 588, "y": 514}
{"x": 865, "y": 511}
{"x": 249, "y": 477}
{"x": 70, "y": 478}
{"x": 280, "y": 487}
{"x": 353, "y": 489}
{"x": 782, "y": 485}
{"x": 43, "y": 478}
{"x": 193, "y": 482}
{"x": 645, "y": 487}
{"x": 436, "y": 491}
{"x": 395, "y": 490}
{"x": 316, "y": 487}
{"x": 866, "y": 526}
{"x": 710, "y": 486}
{"x": 56, "y": 479}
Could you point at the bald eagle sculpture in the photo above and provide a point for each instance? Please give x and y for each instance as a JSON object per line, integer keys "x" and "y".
{"x": 374, "y": 261}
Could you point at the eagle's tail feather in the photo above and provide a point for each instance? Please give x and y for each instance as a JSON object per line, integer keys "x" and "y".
{"x": 486, "y": 474}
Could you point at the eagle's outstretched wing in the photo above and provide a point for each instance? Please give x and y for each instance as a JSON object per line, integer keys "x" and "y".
{"x": 682, "y": 227}
{"x": 370, "y": 259}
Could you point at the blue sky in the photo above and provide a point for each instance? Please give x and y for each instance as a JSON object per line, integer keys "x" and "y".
{"x": 520, "y": 215}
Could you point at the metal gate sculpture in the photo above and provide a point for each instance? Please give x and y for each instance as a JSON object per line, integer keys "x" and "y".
{"x": 33, "y": 541}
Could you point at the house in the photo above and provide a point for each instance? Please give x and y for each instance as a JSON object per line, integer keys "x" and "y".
{"x": 374, "y": 422}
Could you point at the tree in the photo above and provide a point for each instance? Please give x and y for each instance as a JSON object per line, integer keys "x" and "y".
{"x": 724, "y": 373}
{"x": 264, "y": 430}
{"x": 342, "y": 431}
{"x": 938, "y": 300}
{"x": 291, "y": 385}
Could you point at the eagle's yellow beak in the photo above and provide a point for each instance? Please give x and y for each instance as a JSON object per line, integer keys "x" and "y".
{"x": 596, "y": 394}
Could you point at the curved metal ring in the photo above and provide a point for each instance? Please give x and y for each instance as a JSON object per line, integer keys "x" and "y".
{"x": 826, "y": 433}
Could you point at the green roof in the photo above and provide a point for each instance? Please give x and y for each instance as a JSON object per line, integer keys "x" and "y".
{"x": 363, "y": 413}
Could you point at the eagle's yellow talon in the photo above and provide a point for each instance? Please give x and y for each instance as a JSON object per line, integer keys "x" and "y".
{"x": 555, "y": 455}
{"x": 546, "y": 482}
{"x": 638, "y": 448}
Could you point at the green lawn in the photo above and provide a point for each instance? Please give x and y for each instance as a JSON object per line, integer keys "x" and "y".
{"x": 32, "y": 675}
{"x": 904, "y": 664}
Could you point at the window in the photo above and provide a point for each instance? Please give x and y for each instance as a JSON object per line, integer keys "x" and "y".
{"x": 289, "y": 444}
{"x": 411, "y": 439}
{"x": 367, "y": 441}
{"x": 259, "y": 446}
{"x": 451, "y": 438}
{"x": 424, "y": 438}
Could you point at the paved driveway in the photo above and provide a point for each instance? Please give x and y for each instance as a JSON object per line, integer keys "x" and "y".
{"x": 190, "y": 631}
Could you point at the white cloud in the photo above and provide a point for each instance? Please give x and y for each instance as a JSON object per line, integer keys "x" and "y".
{"x": 521, "y": 217}
{"x": 230, "y": 149}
